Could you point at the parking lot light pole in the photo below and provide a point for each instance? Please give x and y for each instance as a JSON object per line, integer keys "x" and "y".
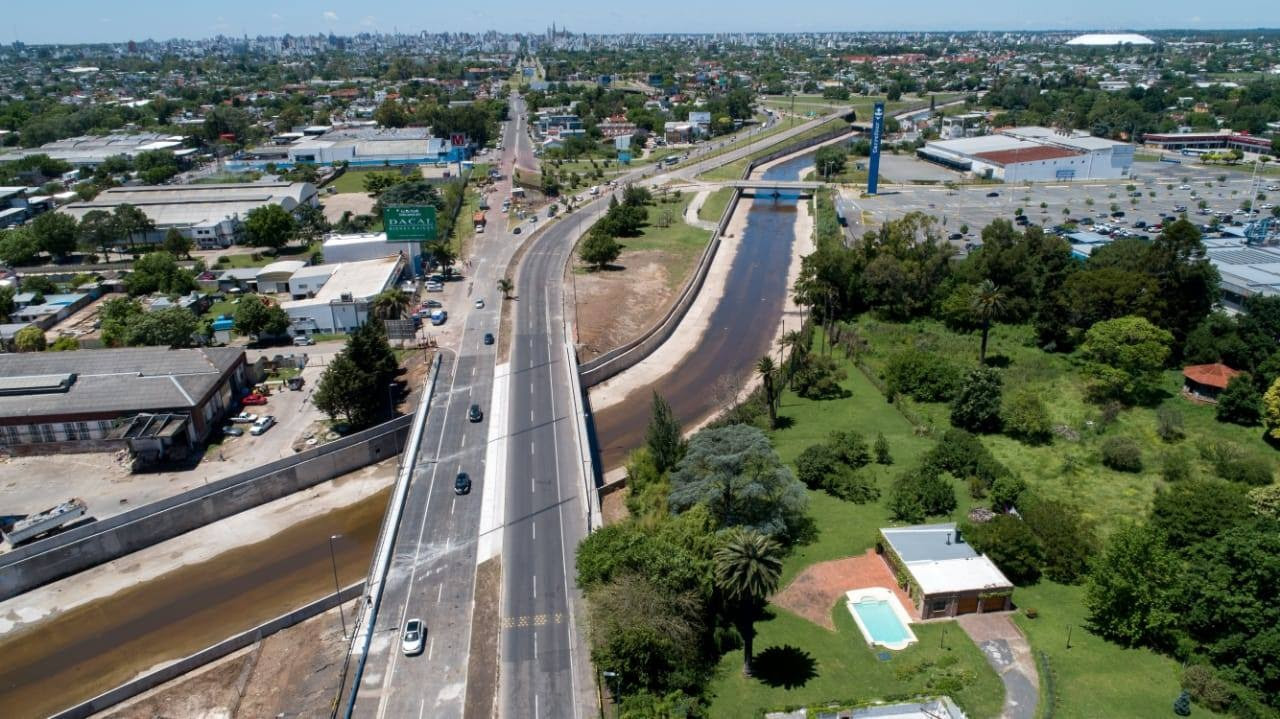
{"x": 333, "y": 561}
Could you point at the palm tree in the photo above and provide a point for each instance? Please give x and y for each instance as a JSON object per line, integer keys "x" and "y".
{"x": 747, "y": 568}
{"x": 766, "y": 370}
{"x": 793, "y": 340}
{"x": 987, "y": 304}
{"x": 390, "y": 304}
{"x": 505, "y": 286}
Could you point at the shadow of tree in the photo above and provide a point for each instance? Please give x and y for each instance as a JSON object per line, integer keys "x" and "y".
{"x": 784, "y": 422}
{"x": 785, "y": 666}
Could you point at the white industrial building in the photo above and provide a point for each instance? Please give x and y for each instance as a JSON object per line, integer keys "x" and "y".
{"x": 1033, "y": 154}
{"x": 369, "y": 246}
{"x": 1110, "y": 39}
{"x": 211, "y": 216}
{"x": 92, "y": 150}
{"x": 338, "y": 297}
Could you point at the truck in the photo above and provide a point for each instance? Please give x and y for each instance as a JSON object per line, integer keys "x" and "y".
{"x": 479, "y": 219}
{"x": 34, "y": 525}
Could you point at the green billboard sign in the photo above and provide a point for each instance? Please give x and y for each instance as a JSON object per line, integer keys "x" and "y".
{"x": 409, "y": 223}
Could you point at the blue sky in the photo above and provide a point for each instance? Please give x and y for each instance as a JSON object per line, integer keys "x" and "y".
{"x": 117, "y": 20}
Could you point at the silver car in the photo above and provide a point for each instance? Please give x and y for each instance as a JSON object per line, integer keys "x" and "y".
{"x": 415, "y": 637}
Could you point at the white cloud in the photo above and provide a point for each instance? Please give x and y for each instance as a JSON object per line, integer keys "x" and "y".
{"x": 368, "y": 21}
{"x": 276, "y": 16}
{"x": 331, "y": 16}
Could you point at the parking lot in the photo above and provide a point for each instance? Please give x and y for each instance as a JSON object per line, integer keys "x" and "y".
{"x": 1156, "y": 191}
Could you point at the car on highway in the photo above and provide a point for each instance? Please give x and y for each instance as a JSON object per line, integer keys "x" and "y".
{"x": 232, "y": 431}
{"x": 488, "y": 338}
{"x": 1184, "y": 187}
{"x": 475, "y": 414}
{"x": 462, "y": 483}
{"x": 264, "y": 423}
{"x": 414, "y": 637}
{"x": 244, "y": 418}
{"x": 479, "y": 303}
{"x": 993, "y": 194}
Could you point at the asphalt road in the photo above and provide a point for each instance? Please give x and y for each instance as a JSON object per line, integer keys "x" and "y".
{"x": 432, "y": 575}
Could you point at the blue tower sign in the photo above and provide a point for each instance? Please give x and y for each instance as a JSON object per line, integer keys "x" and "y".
{"x": 877, "y": 130}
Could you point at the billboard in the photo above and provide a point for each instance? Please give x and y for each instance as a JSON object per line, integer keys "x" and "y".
{"x": 458, "y": 139}
{"x": 877, "y": 130}
{"x": 700, "y": 118}
{"x": 624, "y": 158}
{"x": 409, "y": 223}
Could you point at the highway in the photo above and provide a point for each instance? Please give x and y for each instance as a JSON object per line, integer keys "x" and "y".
{"x": 432, "y": 576}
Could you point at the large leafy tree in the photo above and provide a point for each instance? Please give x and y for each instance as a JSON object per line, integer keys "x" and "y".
{"x": 55, "y": 233}
{"x": 1228, "y": 604}
{"x": 1124, "y": 357}
{"x": 1129, "y": 593}
{"x": 133, "y": 222}
{"x": 747, "y": 569}
{"x": 100, "y": 230}
{"x": 18, "y": 246}
{"x": 29, "y": 339}
{"x": 390, "y": 304}
{"x": 177, "y": 244}
{"x": 256, "y": 317}
{"x": 921, "y": 492}
{"x": 270, "y": 226}
{"x": 737, "y": 475}
{"x": 1067, "y": 538}
{"x": 169, "y": 327}
{"x": 599, "y": 249}
{"x": 6, "y": 303}
{"x": 1011, "y": 544}
{"x": 346, "y": 390}
{"x": 1187, "y": 280}
{"x": 159, "y": 272}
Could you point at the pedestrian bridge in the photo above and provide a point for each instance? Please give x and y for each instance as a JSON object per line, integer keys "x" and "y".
{"x": 769, "y": 187}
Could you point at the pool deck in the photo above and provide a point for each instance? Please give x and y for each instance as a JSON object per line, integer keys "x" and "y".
{"x": 815, "y": 591}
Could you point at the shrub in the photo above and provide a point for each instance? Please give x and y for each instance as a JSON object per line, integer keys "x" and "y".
{"x": 921, "y": 492}
{"x": 1010, "y": 543}
{"x": 1206, "y": 688}
{"x": 1169, "y": 424}
{"x": 815, "y": 464}
{"x": 963, "y": 455}
{"x": 977, "y": 406}
{"x": 1031, "y": 612}
{"x": 849, "y": 448}
{"x": 1122, "y": 454}
{"x": 1005, "y": 492}
{"x": 1246, "y": 470}
{"x": 851, "y": 486}
{"x": 1027, "y": 419}
{"x": 882, "y": 450}
{"x": 819, "y": 378}
{"x": 924, "y": 376}
{"x": 1174, "y": 467}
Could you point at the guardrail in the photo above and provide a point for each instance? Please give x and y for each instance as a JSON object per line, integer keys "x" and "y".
{"x": 633, "y": 352}
{"x": 88, "y": 545}
{"x": 362, "y": 631}
{"x": 586, "y": 454}
{"x": 155, "y": 678}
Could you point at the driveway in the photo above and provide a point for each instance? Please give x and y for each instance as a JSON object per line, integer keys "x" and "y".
{"x": 1009, "y": 654}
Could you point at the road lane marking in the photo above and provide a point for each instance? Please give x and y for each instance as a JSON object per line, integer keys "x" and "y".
{"x": 534, "y": 527}
{"x": 422, "y": 705}
{"x": 535, "y": 653}
{"x": 439, "y": 592}
{"x": 532, "y": 620}
{"x": 454, "y": 504}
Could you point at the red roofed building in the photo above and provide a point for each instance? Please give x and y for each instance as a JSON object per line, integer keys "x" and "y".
{"x": 1205, "y": 382}
{"x": 1026, "y": 154}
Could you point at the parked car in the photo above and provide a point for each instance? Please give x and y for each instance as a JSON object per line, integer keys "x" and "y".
{"x": 414, "y": 638}
{"x": 263, "y": 424}
{"x": 462, "y": 483}
{"x": 1184, "y": 187}
{"x": 303, "y": 341}
{"x": 253, "y": 398}
{"x": 475, "y": 414}
{"x": 232, "y": 431}
{"x": 488, "y": 338}
{"x": 439, "y": 317}
{"x": 479, "y": 303}
{"x": 435, "y": 287}
{"x": 516, "y": 231}
{"x": 244, "y": 418}
{"x": 432, "y": 303}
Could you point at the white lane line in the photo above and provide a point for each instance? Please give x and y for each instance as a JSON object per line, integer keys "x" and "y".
{"x": 535, "y": 650}
{"x": 473, "y": 371}
{"x": 431, "y": 646}
{"x": 453, "y": 505}
{"x": 533, "y": 485}
{"x": 439, "y": 592}
{"x": 422, "y": 705}
{"x": 464, "y": 439}
{"x": 533, "y": 448}
{"x": 534, "y": 527}
{"x": 531, "y": 415}
{"x": 535, "y": 696}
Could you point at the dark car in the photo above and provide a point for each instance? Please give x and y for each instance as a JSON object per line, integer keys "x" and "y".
{"x": 232, "y": 431}
{"x": 516, "y": 231}
{"x": 462, "y": 484}
{"x": 488, "y": 338}
{"x": 1118, "y": 213}
{"x": 1140, "y": 224}
{"x": 435, "y": 304}
{"x": 993, "y": 194}
{"x": 474, "y": 414}
{"x": 955, "y": 236}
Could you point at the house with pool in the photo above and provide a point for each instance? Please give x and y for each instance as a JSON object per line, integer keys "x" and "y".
{"x": 944, "y": 575}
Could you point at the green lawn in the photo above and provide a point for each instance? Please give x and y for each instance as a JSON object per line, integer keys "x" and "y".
{"x": 734, "y": 170}
{"x": 353, "y": 180}
{"x": 1094, "y": 678}
{"x": 713, "y": 207}
{"x": 260, "y": 258}
{"x": 1067, "y": 470}
{"x": 681, "y": 243}
{"x": 222, "y": 307}
{"x": 799, "y": 663}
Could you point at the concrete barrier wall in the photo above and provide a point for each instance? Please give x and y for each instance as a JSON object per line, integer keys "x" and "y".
{"x": 154, "y": 679}
{"x": 630, "y": 354}
{"x": 91, "y": 544}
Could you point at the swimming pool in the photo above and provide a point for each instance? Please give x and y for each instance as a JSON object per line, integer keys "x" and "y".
{"x": 880, "y": 617}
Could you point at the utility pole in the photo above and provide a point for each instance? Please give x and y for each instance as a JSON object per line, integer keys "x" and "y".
{"x": 333, "y": 561}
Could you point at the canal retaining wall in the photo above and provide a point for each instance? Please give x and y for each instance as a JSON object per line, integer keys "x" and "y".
{"x": 91, "y": 544}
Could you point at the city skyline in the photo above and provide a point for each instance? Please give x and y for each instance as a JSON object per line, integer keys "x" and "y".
{"x": 152, "y": 20}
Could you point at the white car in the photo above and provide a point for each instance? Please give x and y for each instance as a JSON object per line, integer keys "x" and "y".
{"x": 415, "y": 636}
{"x": 1184, "y": 187}
{"x": 244, "y": 418}
{"x": 263, "y": 423}
{"x": 480, "y": 303}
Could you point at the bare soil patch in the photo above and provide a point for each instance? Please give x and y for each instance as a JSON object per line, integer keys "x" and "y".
{"x": 813, "y": 592}
{"x": 613, "y": 506}
{"x": 359, "y": 203}
{"x": 615, "y": 306}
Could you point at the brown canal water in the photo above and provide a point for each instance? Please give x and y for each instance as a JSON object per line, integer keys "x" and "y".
{"x": 74, "y": 656}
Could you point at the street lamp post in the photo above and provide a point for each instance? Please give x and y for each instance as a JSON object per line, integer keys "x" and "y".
{"x": 391, "y": 397}
{"x": 333, "y": 561}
